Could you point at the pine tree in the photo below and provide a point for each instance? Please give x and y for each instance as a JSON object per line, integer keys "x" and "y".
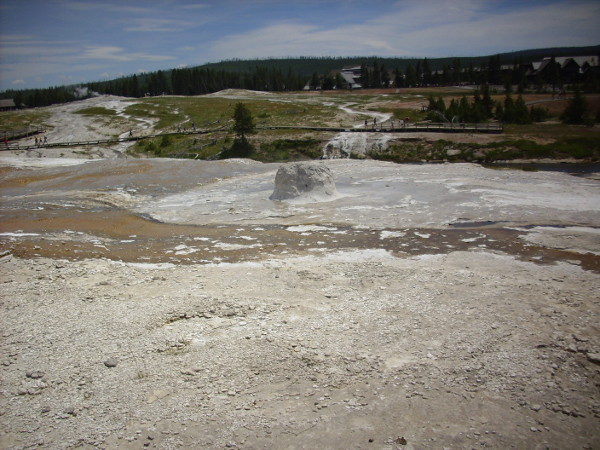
{"x": 411, "y": 76}
{"x": 456, "y": 71}
{"x": 487, "y": 103}
{"x": 499, "y": 111}
{"x": 376, "y": 81}
{"x": 365, "y": 78}
{"x": 426, "y": 72}
{"x": 314, "y": 81}
{"x": 328, "y": 83}
{"x": 339, "y": 81}
{"x": 576, "y": 110}
{"x": 554, "y": 74}
{"x": 243, "y": 124}
{"x": 522, "y": 115}
{"x": 399, "y": 78}
{"x": 509, "y": 110}
{"x": 452, "y": 110}
{"x": 243, "y": 121}
{"x": 385, "y": 77}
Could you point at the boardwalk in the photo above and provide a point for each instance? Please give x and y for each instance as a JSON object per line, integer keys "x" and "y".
{"x": 11, "y": 135}
{"x": 386, "y": 127}
{"x": 380, "y": 128}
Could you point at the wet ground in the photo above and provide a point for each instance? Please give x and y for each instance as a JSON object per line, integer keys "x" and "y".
{"x": 492, "y": 342}
{"x": 123, "y": 236}
{"x": 150, "y": 211}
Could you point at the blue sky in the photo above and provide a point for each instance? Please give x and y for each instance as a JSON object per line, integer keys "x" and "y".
{"x": 55, "y": 42}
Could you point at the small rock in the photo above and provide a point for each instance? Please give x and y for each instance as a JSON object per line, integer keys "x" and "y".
{"x": 111, "y": 362}
{"x": 400, "y": 440}
{"x": 594, "y": 357}
{"x": 37, "y": 374}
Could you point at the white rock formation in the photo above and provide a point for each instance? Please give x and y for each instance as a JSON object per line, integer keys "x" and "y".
{"x": 311, "y": 180}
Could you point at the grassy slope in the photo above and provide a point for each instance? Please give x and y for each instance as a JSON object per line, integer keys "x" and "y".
{"x": 16, "y": 120}
{"x": 550, "y": 139}
{"x": 545, "y": 140}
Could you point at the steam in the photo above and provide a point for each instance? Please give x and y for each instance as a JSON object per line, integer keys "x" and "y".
{"x": 84, "y": 92}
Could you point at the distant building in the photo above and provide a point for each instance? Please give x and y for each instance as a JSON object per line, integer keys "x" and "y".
{"x": 571, "y": 67}
{"x": 352, "y": 77}
{"x": 7, "y": 104}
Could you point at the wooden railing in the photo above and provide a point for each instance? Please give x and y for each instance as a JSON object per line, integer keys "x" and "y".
{"x": 386, "y": 127}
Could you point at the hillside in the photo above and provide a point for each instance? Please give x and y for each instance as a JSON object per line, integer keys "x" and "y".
{"x": 293, "y": 74}
{"x": 308, "y": 65}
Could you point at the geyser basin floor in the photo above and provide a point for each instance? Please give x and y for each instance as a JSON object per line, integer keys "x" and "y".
{"x": 122, "y": 236}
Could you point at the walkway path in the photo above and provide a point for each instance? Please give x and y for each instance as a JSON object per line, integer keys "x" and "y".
{"x": 386, "y": 127}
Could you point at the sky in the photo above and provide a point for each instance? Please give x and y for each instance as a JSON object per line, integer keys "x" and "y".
{"x": 56, "y": 42}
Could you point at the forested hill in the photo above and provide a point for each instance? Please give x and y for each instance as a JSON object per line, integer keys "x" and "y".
{"x": 292, "y": 74}
{"x": 306, "y": 66}
{"x": 536, "y": 54}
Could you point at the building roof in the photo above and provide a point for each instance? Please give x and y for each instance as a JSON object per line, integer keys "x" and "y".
{"x": 580, "y": 60}
{"x": 351, "y": 79}
{"x": 7, "y": 103}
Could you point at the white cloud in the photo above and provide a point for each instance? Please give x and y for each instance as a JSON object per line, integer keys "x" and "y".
{"x": 430, "y": 28}
{"x": 118, "y": 54}
{"x": 152, "y": 25}
{"x": 16, "y": 82}
{"x": 196, "y": 6}
{"x": 104, "y": 6}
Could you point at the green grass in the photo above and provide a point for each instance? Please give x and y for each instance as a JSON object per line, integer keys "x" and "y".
{"x": 180, "y": 146}
{"x": 205, "y": 111}
{"x": 580, "y": 148}
{"x": 550, "y": 131}
{"x": 17, "y": 120}
{"x": 412, "y": 114}
{"x": 545, "y": 140}
{"x": 288, "y": 150}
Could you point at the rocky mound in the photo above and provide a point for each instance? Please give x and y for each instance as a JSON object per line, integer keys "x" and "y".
{"x": 311, "y": 180}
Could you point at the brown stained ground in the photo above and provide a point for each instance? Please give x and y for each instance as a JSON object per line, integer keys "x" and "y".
{"x": 123, "y": 236}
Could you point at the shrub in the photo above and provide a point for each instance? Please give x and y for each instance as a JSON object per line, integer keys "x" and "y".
{"x": 165, "y": 141}
{"x": 576, "y": 110}
{"x": 538, "y": 114}
{"x": 241, "y": 148}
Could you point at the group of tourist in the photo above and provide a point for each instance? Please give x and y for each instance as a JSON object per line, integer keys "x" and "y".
{"x": 39, "y": 141}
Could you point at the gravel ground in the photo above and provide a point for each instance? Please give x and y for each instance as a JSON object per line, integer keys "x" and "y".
{"x": 350, "y": 350}
{"x": 170, "y": 304}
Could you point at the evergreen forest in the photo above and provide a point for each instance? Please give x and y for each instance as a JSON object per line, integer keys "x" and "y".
{"x": 294, "y": 74}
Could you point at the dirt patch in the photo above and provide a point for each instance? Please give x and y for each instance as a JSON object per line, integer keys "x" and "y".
{"x": 122, "y": 236}
{"x": 348, "y": 350}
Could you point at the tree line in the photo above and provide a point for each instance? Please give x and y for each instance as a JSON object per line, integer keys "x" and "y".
{"x": 292, "y": 75}
{"x": 482, "y": 108}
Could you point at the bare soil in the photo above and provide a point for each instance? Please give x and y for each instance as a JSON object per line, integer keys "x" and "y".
{"x": 170, "y": 304}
